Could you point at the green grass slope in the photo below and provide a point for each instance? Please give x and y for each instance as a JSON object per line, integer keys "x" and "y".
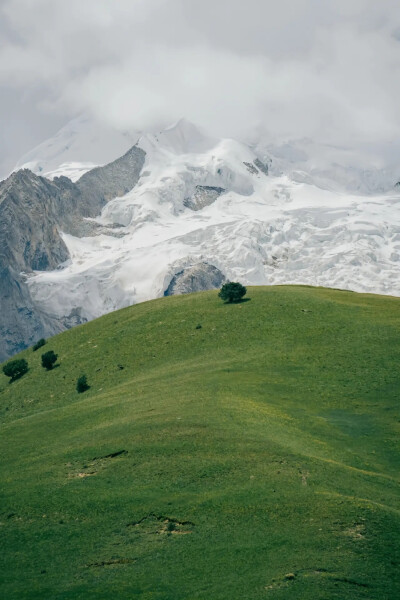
{"x": 256, "y": 457}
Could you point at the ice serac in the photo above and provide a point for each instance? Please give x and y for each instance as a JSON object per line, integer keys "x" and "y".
{"x": 197, "y": 278}
{"x": 33, "y": 213}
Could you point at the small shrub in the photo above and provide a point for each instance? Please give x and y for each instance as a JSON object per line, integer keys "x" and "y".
{"x": 82, "y": 384}
{"x": 198, "y": 326}
{"x": 171, "y": 527}
{"x": 15, "y": 369}
{"x": 48, "y": 359}
{"x": 232, "y": 291}
{"x": 39, "y": 344}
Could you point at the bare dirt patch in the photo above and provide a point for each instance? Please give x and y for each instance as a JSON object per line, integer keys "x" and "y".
{"x": 92, "y": 466}
{"x": 290, "y": 579}
{"x": 112, "y": 562}
{"x": 162, "y": 525}
{"x": 356, "y": 532}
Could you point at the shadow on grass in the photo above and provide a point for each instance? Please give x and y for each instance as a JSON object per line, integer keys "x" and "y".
{"x": 52, "y": 368}
{"x": 241, "y": 301}
{"x": 18, "y": 377}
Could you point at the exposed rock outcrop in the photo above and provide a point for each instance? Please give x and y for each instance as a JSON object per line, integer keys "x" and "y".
{"x": 102, "y": 184}
{"x": 257, "y": 166}
{"x": 30, "y": 208}
{"x": 21, "y": 323}
{"x": 198, "y": 278}
{"x": 251, "y": 168}
{"x": 263, "y": 167}
{"x": 204, "y": 195}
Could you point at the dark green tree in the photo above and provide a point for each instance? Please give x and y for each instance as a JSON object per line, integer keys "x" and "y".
{"x": 48, "y": 359}
{"x": 82, "y": 384}
{"x": 15, "y": 369}
{"x": 39, "y": 344}
{"x": 232, "y": 291}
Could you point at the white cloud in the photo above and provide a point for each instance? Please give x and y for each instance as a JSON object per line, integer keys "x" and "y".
{"x": 317, "y": 68}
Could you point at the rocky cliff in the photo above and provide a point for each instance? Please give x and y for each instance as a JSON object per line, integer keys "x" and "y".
{"x": 33, "y": 212}
{"x": 198, "y": 278}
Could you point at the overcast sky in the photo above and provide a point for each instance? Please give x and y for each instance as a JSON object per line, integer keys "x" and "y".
{"x": 325, "y": 69}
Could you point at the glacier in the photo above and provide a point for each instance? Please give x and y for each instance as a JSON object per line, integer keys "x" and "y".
{"x": 262, "y": 216}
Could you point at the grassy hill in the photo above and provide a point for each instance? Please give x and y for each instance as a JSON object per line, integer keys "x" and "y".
{"x": 254, "y": 457}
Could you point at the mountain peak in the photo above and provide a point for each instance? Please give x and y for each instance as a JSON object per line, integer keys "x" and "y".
{"x": 79, "y": 146}
{"x": 184, "y": 137}
{"x": 20, "y": 178}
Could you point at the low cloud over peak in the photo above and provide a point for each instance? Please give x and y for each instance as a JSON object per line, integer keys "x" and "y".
{"x": 313, "y": 68}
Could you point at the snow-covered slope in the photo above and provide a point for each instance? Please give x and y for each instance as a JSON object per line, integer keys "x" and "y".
{"x": 78, "y": 147}
{"x": 206, "y": 200}
{"x": 365, "y": 170}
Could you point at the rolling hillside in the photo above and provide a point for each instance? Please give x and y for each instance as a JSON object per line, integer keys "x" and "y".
{"x": 246, "y": 451}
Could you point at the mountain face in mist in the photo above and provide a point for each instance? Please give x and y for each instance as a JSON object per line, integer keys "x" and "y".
{"x": 181, "y": 211}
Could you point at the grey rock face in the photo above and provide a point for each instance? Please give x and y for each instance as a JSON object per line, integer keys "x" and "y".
{"x": 30, "y": 208}
{"x": 204, "y": 195}
{"x": 256, "y": 167}
{"x": 198, "y": 278}
{"x": 102, "y": 184}
{"x": 21, "y": 323}
{"x": 251, "y": 168}
{"x": 261, "y": 166}
{"x": 28, "y": 215}
{"x": 73, "y": 319}
{"x": 33, "y": 210}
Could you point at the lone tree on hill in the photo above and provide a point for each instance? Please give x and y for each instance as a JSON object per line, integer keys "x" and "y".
{"x": 15, "y": 369}
{"x": 39, "y": 344}
{"x": 82, "y": 384}
{"x": 232, "y": 291}
{"x": 48, "y": 359}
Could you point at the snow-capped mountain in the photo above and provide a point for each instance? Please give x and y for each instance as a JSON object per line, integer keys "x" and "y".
{"x": 258, "y": 228}
{"x": 363, "y": 171}
{"x": 85, "y": 143}
{"x": 81, "y": 145}
{"x": 204, "y": 209}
